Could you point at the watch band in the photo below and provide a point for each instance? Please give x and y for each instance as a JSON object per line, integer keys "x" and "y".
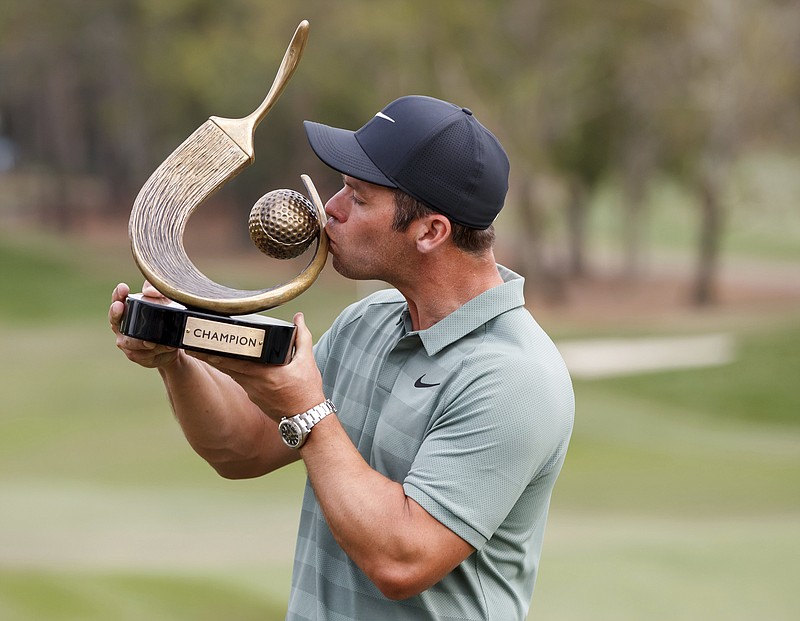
{"x": 311, "y": 417}
{"x": 294, "y": 430}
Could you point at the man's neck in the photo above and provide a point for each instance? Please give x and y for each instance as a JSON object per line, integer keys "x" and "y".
{"x": 442, "y": 287}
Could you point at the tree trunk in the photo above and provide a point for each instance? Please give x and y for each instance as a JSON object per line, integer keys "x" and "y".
{"x": 123, "y": 140}
{"x": 632, "y": 233}
{"x": 711, "y": 226}
{"x": 530, "y": 250}
{"x": 66, "y": 139}
{"x": 576, "y": 229}
{"x": 638, "y": 163}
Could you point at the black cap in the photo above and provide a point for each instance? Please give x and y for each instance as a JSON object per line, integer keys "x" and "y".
{"x": 437, "y": 152}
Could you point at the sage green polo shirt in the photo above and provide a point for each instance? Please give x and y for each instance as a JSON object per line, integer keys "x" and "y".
{"x": 473, "y": 417}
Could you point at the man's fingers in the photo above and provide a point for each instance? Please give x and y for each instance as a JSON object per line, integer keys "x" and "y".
{"x": 214, "y": 361}
{"x": 144, "y": 353}
{"x": 117, "y": 307}
{"x": 120, "y": 292}
{"x": 303, "y": 341}
{"x": 115, "y": 315}
{"x": 149, "y": 291}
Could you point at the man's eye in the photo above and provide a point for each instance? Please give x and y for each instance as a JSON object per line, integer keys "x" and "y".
{"x": 355, "y": 199}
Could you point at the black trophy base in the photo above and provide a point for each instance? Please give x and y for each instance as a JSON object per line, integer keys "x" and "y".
{"x": 248, "y": 337}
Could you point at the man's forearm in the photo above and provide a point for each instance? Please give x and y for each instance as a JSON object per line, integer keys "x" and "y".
{"x": 220, "y": 422}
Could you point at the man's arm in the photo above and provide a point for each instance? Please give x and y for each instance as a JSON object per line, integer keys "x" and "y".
{"x": 219, "y": 421}
{"x": 388, "y": 535}
{"x": 398, "y": 545}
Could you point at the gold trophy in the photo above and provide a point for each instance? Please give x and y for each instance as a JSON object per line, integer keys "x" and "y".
{"x": 206, "y": 316}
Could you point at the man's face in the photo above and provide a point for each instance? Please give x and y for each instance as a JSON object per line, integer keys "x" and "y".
{"x": 362, "y": 242}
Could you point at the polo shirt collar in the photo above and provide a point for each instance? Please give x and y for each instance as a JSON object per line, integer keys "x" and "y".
{"x": 475, "y": 313}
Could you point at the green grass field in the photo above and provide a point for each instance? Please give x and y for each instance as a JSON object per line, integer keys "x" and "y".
{"x": 680, "y": 498}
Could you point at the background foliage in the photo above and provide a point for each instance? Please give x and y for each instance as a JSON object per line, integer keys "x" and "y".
{"x": 654, "y": 150}
{"x": 97, "y": 92}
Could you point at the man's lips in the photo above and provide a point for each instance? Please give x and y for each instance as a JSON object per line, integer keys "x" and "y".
{"x": 329, "y": 229}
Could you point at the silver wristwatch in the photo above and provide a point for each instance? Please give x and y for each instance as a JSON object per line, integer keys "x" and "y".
{"x": 295, "y": 429}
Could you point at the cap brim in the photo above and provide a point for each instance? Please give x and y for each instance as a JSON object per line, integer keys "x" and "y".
{"x": 340, "y": 150}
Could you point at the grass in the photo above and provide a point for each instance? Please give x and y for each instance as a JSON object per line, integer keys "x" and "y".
{"x": 614, "y": 567}
{"x": 678, "y": 499}
{"x": 55, "y": 280}
{"x": 99, "y": 596}
{"x": 758, "y": 386}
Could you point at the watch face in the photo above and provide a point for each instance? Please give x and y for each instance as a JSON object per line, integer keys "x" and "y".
{"x": 291, "y": 433}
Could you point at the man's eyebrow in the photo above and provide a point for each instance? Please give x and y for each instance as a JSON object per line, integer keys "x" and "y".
{"x": 354, "y": 183}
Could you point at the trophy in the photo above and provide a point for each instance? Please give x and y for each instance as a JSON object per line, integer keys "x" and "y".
{"x": 206, "y": 316}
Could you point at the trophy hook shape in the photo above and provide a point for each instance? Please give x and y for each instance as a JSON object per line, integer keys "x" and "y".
{"x": 211, "y": 156}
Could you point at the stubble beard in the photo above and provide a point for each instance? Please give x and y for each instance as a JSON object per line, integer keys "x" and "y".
{"x": 361, "y": 268}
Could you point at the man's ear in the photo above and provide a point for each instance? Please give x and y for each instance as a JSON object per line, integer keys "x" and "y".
{"x": 432, "y": 231}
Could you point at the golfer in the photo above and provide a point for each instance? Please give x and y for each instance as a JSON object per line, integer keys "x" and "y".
{"x": 432, "y": 418}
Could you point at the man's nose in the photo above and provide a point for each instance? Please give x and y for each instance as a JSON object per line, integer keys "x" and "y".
{"x": 334, "y": 206}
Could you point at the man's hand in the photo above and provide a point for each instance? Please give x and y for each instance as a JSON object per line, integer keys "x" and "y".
{"x": 144, "y": 353}
{"x": 278, "y": 390}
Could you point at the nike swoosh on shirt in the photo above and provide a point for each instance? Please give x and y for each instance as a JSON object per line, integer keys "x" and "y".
{"x": 420, "y": 384}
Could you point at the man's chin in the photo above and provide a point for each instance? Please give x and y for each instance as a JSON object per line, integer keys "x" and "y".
{"x": 341, "y": 268}
{"x": 350, "y": 272}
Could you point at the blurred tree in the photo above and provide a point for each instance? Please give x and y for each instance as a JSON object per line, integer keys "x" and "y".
{"x": 580, "y": 93}
{"x": 647, "y": 35}
{"x": 581, "y": 117}
{"x": 731, "y": 83}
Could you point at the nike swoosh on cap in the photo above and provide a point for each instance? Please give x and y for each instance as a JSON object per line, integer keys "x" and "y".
{"x": 420, "y": 384}
{"x": 381, "y": 115}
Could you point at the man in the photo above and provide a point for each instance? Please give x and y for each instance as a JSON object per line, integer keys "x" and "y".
{"x": 429, "y": 480}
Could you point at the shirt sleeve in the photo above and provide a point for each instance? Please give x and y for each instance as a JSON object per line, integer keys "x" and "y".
{"x": 503, "y": 428}
{"x": 322, "y": 350}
